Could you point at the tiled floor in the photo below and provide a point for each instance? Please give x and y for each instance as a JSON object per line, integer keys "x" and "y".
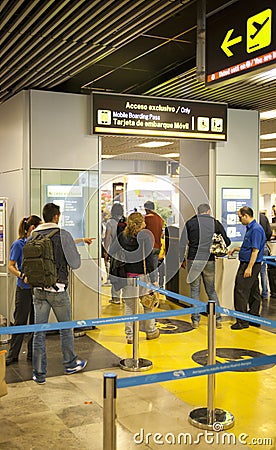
{"x": 66, "y": 412}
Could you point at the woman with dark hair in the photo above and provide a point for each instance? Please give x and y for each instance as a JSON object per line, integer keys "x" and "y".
{"x": 136, "y": 244}
{"x": 24, "y": 296}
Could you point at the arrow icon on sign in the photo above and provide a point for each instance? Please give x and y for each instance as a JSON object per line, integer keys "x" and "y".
{"x": 228, "y": 42}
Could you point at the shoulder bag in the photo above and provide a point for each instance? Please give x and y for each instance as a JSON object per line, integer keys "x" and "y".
{"x": 149, "y": 300}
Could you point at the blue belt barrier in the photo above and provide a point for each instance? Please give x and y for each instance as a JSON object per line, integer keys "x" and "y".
{"x": 94, "y": 322}
{"x": 227, "y": 311}
{"x": 194, "y": 371}
{"x": 180, "y": 297}
{"x": 200, "y": 307}
{"x": 270, "y": 260}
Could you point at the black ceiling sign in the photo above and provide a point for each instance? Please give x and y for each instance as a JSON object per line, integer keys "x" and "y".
{"x": 240, "y": 39}
{"x": 115, "y": 114}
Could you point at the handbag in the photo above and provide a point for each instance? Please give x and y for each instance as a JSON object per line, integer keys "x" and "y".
{"x": 3, "y": 385}
{"x": 218, "y": 247}
{"x": 149, "y": 300}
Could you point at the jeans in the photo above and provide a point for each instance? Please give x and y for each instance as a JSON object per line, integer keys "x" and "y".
{"x": 129, "y": 293}
{"x": 263, "y": 275}
{"x": 206, "y": 270}
{"x": 116, "y": 295}
{"x": 61, "y": 305}
{"x": 23, "y": 309}
{"x": 155, "y": 255}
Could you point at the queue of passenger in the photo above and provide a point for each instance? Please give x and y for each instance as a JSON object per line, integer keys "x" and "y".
{"x": 133, "y": 248}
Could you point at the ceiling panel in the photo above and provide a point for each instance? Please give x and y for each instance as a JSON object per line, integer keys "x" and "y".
{"x": 124, "y": 46}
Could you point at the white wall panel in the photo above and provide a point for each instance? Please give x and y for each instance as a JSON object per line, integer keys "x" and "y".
{"x": 11, "y": 133}
{"x": 60, "y": 136}
{"x": 240, "y": 154}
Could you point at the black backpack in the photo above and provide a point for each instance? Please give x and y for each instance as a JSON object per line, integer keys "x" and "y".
{"x": 38, "y": 260}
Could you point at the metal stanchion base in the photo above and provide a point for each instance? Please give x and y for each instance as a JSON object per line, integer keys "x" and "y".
{"x": 135, "y": 365}
{"x": 223, "y": 420}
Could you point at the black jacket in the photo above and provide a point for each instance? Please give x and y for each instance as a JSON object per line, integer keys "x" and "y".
{"x": 198, "y": 235}
{"x": 266, "y": 226}
{"x": 134, "y": 250}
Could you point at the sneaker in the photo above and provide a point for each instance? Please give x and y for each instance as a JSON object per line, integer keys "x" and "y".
{"x": 80, "y": 365}
{"x": 239, "y": 326}
{"x": 129, "y": 340}
{"x": 218, "y": 325}
{"x": 153, "y": 335}
{"x": 114, "y": 301}
{"x": 195, "y": 323}
{"x": 39, "y": 380}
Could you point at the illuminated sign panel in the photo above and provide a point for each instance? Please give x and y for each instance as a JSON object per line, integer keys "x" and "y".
{"x": 158, "y": 117}
{"x": 240, "y": 39}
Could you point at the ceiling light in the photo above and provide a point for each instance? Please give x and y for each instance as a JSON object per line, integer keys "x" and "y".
{"x": 107, "y": 156}
{"x": 153, "y": 144}
{"x": 171, "y": 155}
{"x": 268, "y": 136}
{"x": 268, "y": 159}
{"x": 268, "y": 150}
{"x": 268, "y": 75}
{"x": 268, "y": 114}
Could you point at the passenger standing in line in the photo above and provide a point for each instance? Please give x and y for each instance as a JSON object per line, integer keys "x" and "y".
{"x": 110, "y": 235}
{"x": 24, "y": 295}
{"x": 198, "y": 235}
{"x": 246, "y": 291}
{"x": 154, "y": 223}
{"x": 66, "y": 255}
{"x": 137, "y": 245}
{"x": 268, "y": 233}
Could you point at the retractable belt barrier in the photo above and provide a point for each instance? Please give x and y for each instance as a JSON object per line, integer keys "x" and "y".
{"x": 201, "y": 417}
{"x": 270, "y": 260}
{"x": 197, "y": 308}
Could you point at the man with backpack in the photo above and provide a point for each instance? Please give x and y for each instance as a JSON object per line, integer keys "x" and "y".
{"x": 55, "y": 295}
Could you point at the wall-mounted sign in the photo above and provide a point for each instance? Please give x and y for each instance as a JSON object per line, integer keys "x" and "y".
{"x": 240, "y": 39}
{"x": 159, "y": 117}
{"x": 71, "y": 202}
{"x": 232, "y": 200}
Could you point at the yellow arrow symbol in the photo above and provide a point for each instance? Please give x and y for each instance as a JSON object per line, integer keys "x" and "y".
{"x": 227, "y": 42}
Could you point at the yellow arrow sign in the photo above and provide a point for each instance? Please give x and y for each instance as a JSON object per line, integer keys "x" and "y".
{"x": 228, "y": 42}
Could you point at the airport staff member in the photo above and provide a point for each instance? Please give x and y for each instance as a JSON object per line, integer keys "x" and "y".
{"x": 246, "y": 291}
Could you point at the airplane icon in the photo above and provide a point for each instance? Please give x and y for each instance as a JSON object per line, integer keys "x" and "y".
{"x": 259, "y": 31}
{"x": 258, "y": 27}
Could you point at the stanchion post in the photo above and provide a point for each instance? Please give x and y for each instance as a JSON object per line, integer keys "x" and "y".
{"x": 109, "y": 411}
{"x": 211, "y": 310}
{"x": 135, "y": 347}
{"x": 135, "y": 364}
{"x": 206, "y": 418}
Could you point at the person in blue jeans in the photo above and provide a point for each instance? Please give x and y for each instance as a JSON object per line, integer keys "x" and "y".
{"x": 24, "y": 309}
{"x": 66, "y": 255}
{"x": 263, "y": 274}
{"x": 198, "y": 235}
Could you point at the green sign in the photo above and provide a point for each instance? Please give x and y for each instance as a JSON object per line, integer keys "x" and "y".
{"x": 240, "y": 39}
{"x": 115, "y": 114}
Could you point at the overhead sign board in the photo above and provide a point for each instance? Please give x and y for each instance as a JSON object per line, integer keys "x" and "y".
{"x": 240, "y": 39}
{"x": 158, "y": 117}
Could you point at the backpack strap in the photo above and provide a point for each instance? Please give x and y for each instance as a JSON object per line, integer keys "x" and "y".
{"x": 36, "y": 234}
